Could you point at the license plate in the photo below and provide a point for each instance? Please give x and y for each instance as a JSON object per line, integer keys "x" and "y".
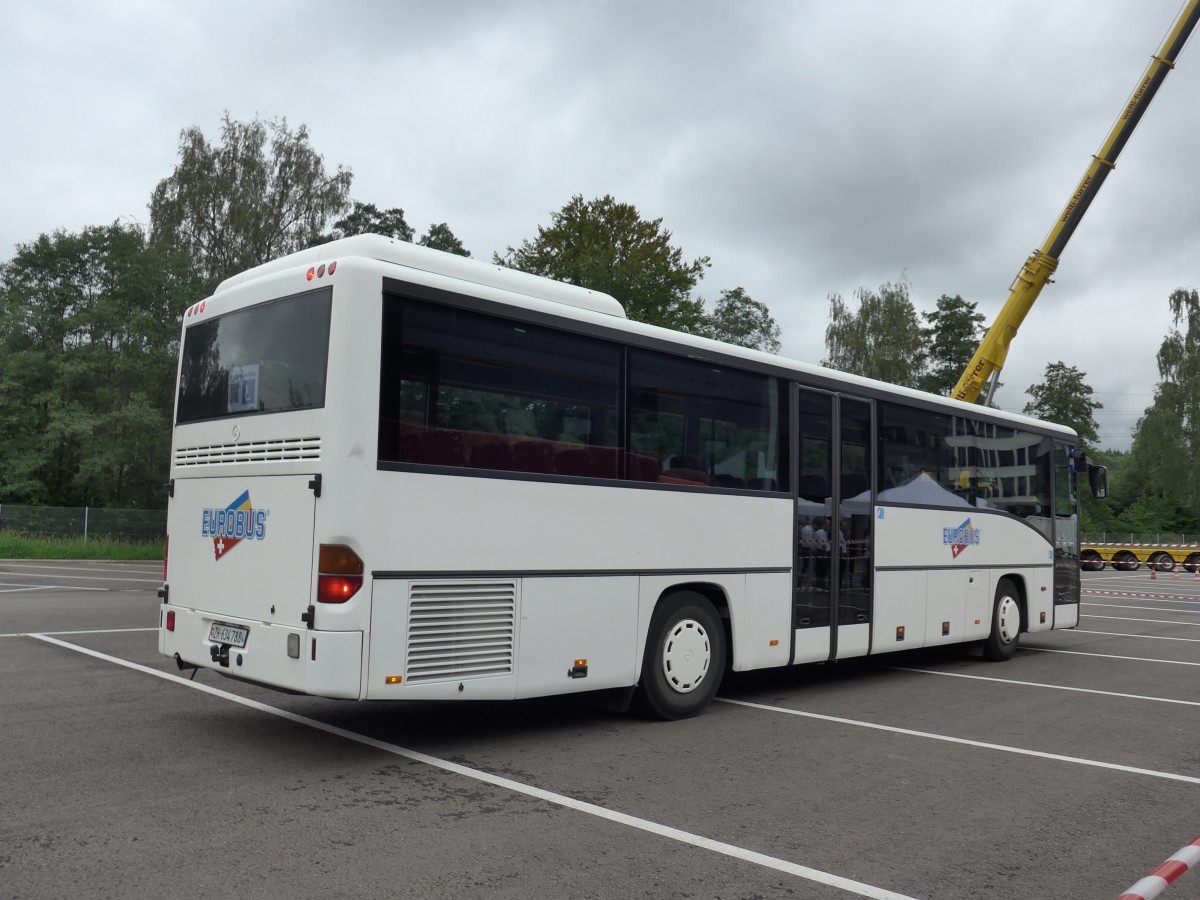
{"x": 234, "y": 635}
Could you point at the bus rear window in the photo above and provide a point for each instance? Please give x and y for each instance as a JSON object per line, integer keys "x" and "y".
{"x": 264, "y": 359}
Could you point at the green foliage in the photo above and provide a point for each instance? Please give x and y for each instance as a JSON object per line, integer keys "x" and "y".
{"x": 951, "y": 338}
{"x": 262, "y": 193}
{"x": 14, "y": 545}
{"x": 440, "y": 237}
{"x": 740, "y": 319}
{"x": 880, "y": 339}
{"x": 88, "y": 340}
{"x": 1063, "y": 397}
{"x": 366, "y": 218}
{"x": 607, "y": 246}
{"x": 1157, "y": 485}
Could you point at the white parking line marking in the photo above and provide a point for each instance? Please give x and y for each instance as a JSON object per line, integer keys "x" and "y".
{"x": 1074, "y": 760}
{"x": 16, "y": 589}
{"x": 1130, "y": 619}
{"x": 144, "y": 568}
{"x": 1169, "y": 662}
{"x": 1052, "y": 687}
{"x": 87, "y": 577}
{"x": 1144, "y": 608}
{"x": 92, "y": 631}
{"x": 1149, "y": 637}
{"x": 645, "y": 825}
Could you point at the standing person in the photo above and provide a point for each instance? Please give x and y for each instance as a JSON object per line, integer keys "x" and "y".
{"x": 821, "y": 552}
{"x": 806, "y": 552}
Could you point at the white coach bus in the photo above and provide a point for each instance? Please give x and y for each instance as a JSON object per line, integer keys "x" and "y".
{"x": 401, "y": 474}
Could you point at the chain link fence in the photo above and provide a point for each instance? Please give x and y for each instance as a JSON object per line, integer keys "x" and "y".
{"x": 87, "y": 522}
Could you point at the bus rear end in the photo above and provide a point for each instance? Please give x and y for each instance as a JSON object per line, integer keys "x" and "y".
{"x": 243, "y": 572}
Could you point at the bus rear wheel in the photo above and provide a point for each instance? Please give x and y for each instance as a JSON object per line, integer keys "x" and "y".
{"x": 1001, "y": 644}
{"x": 684, "y": 659}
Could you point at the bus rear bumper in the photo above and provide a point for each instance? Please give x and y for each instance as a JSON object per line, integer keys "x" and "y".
{"x": 293, "y": 659}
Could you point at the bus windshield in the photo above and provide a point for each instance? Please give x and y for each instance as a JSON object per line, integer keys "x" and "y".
{"x": 264, "y": 359}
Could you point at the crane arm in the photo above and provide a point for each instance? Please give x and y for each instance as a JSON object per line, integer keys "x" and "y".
{"x": 989, "y": 358}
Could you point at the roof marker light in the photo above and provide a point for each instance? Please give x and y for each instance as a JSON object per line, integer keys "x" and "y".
{"x": 311, "y": 273}
{"x": 321, "y": 270}
{"x": 333, "y": 267}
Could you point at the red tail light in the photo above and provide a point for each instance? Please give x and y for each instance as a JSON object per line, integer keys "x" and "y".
{"x": 170, "y": 620}
{"x": 339, "y": 574}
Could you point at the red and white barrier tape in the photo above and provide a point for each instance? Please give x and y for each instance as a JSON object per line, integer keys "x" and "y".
{"x": 1162, "y": 877}
{"x": 1128, "y": 544}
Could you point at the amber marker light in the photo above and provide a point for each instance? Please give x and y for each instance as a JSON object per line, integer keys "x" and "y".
{"x": 393, "y": 679}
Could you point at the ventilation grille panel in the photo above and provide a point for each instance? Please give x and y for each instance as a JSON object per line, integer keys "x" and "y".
{"x": 281, "y": 450}
{"x": 460, "y": 630}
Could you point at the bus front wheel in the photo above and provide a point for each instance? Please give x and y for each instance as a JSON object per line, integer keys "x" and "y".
{"x": 1001, "y": 644}
{"x": 684, "y": 660}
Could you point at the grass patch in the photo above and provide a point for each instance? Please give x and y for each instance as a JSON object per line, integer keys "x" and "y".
{"x": 14, "y": 545}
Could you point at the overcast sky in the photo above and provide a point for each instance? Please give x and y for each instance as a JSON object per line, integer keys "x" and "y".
{"x": 806, "y": 147}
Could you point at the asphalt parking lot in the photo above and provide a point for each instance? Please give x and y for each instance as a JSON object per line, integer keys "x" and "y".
{"x": 1068, "y": 772}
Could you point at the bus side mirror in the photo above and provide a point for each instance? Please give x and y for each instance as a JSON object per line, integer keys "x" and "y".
{"x": 1098, "y": 479}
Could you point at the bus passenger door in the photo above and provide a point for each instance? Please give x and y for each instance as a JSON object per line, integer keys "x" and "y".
{"x": 812, "y": 446}
{"x": 853, "y": 530}
{"x": 833, "y": 567}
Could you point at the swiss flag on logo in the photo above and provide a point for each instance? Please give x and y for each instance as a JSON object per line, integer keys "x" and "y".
{"x": 222, "y": 544}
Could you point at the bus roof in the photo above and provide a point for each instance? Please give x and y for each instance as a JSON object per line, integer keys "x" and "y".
{"x": 413, "y": 256}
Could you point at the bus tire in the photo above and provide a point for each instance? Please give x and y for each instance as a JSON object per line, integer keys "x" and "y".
{"x": 684, "y": 659}
{"x": 1001, "y": 644}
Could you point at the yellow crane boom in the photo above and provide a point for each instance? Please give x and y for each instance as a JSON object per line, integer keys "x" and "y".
{"x": 988, "y": 360}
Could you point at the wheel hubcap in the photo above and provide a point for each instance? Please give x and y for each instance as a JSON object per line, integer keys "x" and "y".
{"x": 686, "y": 655}
{"x": 1008, "y": 619}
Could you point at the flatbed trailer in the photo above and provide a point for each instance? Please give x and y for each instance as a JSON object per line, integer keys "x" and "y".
{"x": 1128, "y": 557}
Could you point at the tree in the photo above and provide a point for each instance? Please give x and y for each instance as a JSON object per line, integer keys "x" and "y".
{"x": 262, "y": 193}
{"x": 954, "y": 332}
{"x": 739, "y": 319}
{"x": 440, "y": 237}
{"x": 1064, "y": 397}
{"x": 881, "y": 339}
{"x": 607, "y": 246}
{"x": 1167, "y": 438}
{"x": 365, "y": 218}
{"x": 88, "y": 340}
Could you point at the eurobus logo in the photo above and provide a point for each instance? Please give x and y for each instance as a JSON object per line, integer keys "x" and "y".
{"x": 237, "y": 522}
{"x": 960, "y": 538}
